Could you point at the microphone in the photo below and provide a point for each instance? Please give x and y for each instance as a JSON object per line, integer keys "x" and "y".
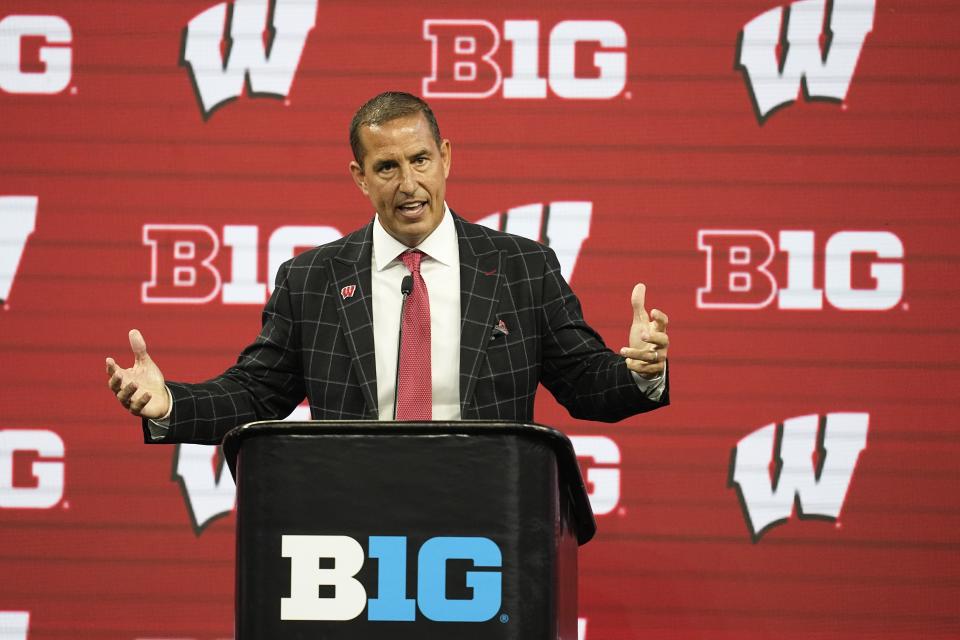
{"x": 406, "y": 286}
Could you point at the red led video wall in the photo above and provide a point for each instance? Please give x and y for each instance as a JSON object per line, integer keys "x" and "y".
{"x": 781, "y": 175}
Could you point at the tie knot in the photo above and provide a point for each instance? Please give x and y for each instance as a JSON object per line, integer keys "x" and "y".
{"x": 412, "y": 260}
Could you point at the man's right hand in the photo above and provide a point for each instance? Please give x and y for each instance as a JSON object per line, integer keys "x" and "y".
{"x": 140, "y": 389}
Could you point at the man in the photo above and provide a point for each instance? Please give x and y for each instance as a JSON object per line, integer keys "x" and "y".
{"x": 487, "y": 316}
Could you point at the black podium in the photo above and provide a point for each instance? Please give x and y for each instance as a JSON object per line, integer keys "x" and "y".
{"x": 374, "y": 530}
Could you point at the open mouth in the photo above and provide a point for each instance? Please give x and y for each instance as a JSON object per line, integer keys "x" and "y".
{"x": 412, "y": 209}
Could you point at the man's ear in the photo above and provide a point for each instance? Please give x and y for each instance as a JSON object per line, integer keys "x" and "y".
{"x": 446, "y": 156}
{"x": 359, "y": 177}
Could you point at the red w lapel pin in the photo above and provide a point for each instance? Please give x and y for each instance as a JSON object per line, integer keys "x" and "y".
{"x": 348, "y": 291}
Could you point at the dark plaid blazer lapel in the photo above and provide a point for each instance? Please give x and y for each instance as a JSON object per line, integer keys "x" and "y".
{"x": 480, "y": 276}
{"x": 351, "y": 267}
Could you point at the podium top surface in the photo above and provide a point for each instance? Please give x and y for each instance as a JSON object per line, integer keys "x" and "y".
{"x": 568, "y": 470}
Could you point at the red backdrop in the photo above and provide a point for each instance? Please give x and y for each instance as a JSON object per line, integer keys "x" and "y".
{"x": 787, "y": 191}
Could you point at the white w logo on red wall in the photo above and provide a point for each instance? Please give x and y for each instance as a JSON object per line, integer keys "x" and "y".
{"x": 18, "y": 218}
{"x": 264, "y": 41}
{"x": 807, "y": 462}
{"x": 811, "y": 45}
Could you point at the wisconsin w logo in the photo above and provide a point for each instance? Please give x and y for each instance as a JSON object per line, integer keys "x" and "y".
{"x": 813, "y": 45}
{"x": 263, "y": 49}
{"x": 18, "y": 218}
{"x": 806, "y": 461}
{"x": 208, "y": 491}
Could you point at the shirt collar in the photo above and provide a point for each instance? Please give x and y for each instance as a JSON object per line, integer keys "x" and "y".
{"x": 441, "y": 244}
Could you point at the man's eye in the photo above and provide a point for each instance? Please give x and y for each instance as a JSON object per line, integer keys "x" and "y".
{"x": 422, "y": 160}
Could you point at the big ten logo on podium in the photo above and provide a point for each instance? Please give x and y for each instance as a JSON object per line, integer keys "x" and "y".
{"x": 861, "y": 270}
{"x": 31, "y": 469}
{"x": 36, "y": 56}
{"x": 324, "y": 587}
{"x": 465, "y": 61}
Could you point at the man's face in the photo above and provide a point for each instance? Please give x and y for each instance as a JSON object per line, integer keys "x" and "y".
{"x": 405, "y": 176}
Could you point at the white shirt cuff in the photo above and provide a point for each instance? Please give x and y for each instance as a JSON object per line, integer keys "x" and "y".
{"x": 652, "y": 387}
{"x": 158, "y": 428}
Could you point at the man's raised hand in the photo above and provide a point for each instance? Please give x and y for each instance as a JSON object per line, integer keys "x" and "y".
{"x": 140, "y": 389}
{"x": 647, "y": 351}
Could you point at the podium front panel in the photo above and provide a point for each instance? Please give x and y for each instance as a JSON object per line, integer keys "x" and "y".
{"x": 403, "y": 536}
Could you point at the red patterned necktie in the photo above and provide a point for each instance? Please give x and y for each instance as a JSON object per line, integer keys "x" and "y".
{"x": 415, "y": 385}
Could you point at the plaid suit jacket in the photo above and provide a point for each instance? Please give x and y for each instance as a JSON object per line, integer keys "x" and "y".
{"x": 317, "y": 344}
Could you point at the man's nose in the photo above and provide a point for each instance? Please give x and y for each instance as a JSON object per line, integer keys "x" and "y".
{"x": 407, "y": 182}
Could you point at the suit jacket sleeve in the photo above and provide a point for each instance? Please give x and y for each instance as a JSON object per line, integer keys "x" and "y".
{"x": 266, "y": 383}
{"x": 584, "y": 376}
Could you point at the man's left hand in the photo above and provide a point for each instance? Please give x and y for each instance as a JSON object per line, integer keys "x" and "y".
{"x": 647, "y": 353}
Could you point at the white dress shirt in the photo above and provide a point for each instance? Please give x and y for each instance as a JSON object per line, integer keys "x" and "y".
{"x": 440, "y": 268}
